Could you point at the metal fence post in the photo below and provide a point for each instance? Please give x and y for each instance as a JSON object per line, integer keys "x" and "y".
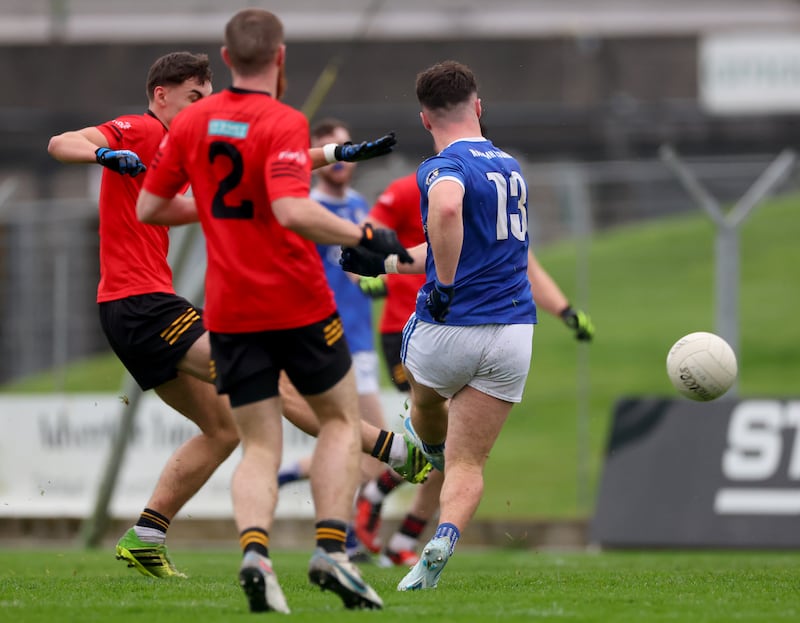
{"x": 726, "y": 250}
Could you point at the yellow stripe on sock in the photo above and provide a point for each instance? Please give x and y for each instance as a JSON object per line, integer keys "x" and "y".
{"x": 386, "y": 443}
{"x": 253, "y": 536}
{"x": 331, "y": 534}
{"x": 156, "y": 520}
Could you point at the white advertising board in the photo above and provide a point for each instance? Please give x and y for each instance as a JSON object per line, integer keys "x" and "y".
{"x": 756, "y": 73}
{"x": 54, "y": 448}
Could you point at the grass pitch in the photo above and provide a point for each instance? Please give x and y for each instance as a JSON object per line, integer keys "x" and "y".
{"x": 497, "y": 585}
{"x": 649, "y": 284}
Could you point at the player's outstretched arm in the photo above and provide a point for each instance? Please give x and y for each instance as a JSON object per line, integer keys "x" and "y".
{"x": 314, "y": 221}
{"x": 352, "y": 152}
{"x": 358, "y": 152}
{"x": 89, "y": 145}
{"x": 122, "y": 161}
{"x": 77, "y": 146}
{"x": 361, "y": 261}
{"x": 550, "y": 298}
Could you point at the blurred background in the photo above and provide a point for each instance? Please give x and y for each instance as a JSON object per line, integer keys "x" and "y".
{"x": 598, "y": 86}
{"x": 602, "y": 101}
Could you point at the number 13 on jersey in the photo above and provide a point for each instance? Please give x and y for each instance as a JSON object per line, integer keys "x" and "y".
{"x": 510, "y": 189}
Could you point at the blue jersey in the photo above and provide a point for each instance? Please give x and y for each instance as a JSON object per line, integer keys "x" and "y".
{"x": 354, "y": 306}
{"x": 491, "y": 284}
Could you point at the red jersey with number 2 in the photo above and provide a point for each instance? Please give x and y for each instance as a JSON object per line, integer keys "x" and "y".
{"x": 240, "y": 151}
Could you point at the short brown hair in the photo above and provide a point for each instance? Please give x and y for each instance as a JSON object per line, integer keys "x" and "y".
{"x": 327, "y": 126}
{"x": 252, "y": 38}
{"x": 445, "y": 85}
{"x": 176, "y": 68}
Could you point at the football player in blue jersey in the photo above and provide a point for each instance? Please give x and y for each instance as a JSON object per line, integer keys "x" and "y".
{"x": 398, "y": 208}
{"x": 470, "y": 339}
{"x": 467, "y": 348}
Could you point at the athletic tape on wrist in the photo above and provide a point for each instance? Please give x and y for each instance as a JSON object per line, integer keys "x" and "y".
{"x": 390, "y": 264}
{"x": 329, "y": 151}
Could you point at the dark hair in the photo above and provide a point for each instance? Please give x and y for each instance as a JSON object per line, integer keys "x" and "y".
{"x": 252, "y": 37}
{"x": 445, "y": 85}
{"x": 327, "y": 126}
{"x": 175, "y": 68}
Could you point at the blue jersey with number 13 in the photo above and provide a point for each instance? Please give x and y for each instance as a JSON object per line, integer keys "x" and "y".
{"x": 491, "y": 285}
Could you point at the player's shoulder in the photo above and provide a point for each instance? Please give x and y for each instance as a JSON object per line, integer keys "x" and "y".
{"x": 289, "y": 114}
{"x": 132, "y": 131}
{"x": 475, "y": 156}
{"x": 130, "y": 122}
{"x": 444, "y": 163}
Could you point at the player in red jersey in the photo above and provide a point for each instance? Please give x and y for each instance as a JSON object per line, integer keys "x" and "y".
{"x": 269, "y": 308}
{"x": 158, "y": 335}
{"x": 398, "y": 208}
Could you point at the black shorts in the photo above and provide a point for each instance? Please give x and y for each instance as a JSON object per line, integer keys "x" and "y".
{"x": 247, "y": 365}
{"x": 150, "y": 333}
{"x": 390, "y": 344}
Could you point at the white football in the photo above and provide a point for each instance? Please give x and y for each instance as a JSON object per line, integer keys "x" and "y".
{"x": 702, "y": 366}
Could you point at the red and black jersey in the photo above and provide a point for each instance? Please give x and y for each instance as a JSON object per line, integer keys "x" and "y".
{"x": 241, "y": 150}
{"x": 398, "y": 208}
{"x": 133, "y": 255}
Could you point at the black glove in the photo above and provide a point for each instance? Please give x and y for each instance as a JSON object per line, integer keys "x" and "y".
{"x": 439, "y": 301}
{"x": 384, "y": 242}
{"x": 350, "y": 152}
{"x": 579, "y": 322}
{"x": 123, "y": 161}
{"x": 362, "y": 261}
{"x": 373, "y": 287}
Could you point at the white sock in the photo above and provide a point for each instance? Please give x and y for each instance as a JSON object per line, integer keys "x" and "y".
{"x": 398, "y": 453}
{"x": 150, "y": 535}
{"x": 371, "y": 492}
{"x": 401, "y": 542}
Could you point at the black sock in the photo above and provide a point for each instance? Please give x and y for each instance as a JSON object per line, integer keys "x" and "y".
{"x": 331, "y": 535}
{"x": 254, "y": 540}
{"x": 387, "y": 482}
{"x": 412, "y": 526}
{"x": 383, "y": 446}
{"x": 152, "y": 519}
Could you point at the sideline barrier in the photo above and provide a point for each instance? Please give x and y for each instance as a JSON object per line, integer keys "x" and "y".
{"x": 53, "y": 448}
{"x": 683, "y": 474}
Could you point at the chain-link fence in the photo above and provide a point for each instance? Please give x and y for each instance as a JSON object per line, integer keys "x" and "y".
{"x": 48, "y": 250}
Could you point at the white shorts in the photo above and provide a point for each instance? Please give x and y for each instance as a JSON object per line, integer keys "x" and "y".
{"x": 365, "y": 365}
{"x": 492, "y": 358}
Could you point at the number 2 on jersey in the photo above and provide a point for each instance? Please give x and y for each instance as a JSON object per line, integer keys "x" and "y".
{"x": 510, "y": 187}
{"x": 220, "y": 209}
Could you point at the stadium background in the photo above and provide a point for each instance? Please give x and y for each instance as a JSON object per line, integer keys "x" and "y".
{"x": 579, "y": 93}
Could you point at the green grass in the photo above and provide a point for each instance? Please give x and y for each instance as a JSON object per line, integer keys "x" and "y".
{"x": 101, "y": 373}
{"x": 649, "y": 284}
{"x": 508, "y": 586}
